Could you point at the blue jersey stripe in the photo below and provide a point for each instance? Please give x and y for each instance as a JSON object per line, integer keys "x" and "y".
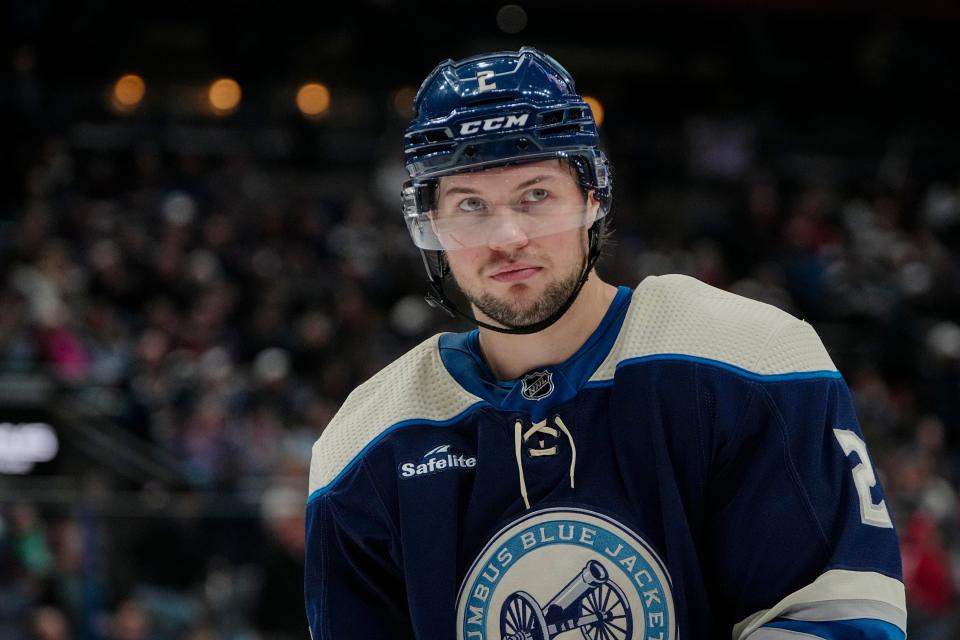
{"x": 856, "y": 629}
{"x": 383, "y": 434}
{"x": 681, "y": 357}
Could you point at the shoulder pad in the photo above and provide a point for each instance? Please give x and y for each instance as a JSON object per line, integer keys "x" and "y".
{"x": 676, "y": 315}
{"x": 414, "y": 388}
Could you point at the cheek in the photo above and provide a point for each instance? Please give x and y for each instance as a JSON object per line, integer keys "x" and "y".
{"x": 465, "y": 262}
{"x": 564, "y": 246}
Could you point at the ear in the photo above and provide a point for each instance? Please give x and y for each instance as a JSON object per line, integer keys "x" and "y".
{"x": 593, "y": 208}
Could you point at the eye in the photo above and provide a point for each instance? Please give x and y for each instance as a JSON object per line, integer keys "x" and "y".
{"x": 535, "y": 195}
{"x": 470, "y": 204}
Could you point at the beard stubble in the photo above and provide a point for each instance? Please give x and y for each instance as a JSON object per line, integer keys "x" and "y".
{"x": 512, "y": 314}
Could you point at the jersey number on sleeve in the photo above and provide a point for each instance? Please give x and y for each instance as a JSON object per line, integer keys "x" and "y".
{"x": 865, "y": 479}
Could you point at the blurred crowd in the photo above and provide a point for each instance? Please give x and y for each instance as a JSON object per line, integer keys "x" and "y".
{"x": 229, "y": 317}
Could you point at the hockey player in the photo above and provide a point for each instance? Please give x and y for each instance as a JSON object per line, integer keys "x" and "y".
{"x": 671, "y": 461}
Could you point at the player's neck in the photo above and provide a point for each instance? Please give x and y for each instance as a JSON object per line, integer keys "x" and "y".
{"x": 510, "y": 356}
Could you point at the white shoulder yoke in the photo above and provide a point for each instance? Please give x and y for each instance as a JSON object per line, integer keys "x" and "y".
{"x": 416, "y": 386}
{"x": 679, "y": 316}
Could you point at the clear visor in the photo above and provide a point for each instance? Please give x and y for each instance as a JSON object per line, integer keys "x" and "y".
{"x": 499, "y": 207}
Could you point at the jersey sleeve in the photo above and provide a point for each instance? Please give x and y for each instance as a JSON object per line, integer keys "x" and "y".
{"x": 353, "y": 586}
{"x": 800, "y": 540}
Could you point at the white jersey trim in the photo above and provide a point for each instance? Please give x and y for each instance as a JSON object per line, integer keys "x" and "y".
{"x": 679, "y": 315}
{"x": 838, "y": 594}
{"x": 416, "y": 387}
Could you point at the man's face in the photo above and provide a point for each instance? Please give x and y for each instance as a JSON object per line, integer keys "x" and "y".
{"x": 515, "y": 237}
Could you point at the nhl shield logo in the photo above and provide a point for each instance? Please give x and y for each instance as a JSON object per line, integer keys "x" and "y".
{"x": 537, "y": 385}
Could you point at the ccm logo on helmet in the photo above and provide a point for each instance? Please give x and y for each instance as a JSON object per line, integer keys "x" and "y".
{"x": 492, "y": 124}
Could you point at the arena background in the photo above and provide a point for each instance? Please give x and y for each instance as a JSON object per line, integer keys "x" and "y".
{"x": 188, "y": 291}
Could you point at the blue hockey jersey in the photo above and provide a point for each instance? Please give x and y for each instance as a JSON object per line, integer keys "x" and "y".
{"x": 694, "y": 470}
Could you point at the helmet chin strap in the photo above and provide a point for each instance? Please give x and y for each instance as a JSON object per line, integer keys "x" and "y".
{"x": 438, "y": 299}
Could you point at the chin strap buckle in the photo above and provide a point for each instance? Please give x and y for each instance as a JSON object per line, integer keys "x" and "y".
{"x": 437, "y": 303}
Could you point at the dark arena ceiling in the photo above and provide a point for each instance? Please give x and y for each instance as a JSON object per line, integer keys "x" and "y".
{"x": 649, "y": 62}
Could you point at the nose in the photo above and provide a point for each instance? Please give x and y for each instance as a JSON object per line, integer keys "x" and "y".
{"x": 505, "y": 232}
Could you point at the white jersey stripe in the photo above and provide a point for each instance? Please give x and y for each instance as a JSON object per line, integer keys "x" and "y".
{"x": 851, "y": 594}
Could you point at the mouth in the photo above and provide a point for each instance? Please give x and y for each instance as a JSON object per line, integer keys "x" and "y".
{"x": 516, "y": 273}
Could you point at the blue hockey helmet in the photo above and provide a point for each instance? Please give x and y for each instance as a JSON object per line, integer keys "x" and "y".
{"x": 491, "y": 110}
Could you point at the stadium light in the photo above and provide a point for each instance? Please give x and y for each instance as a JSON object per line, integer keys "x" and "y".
{"x": 403, "y": 101}
{"x": 224, "y": 95}
{"x": 313, "y": 99}
{"x": 128, "y": 92}
{"x": 597, "y": 107}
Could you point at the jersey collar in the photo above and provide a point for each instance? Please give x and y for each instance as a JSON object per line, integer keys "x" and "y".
{"x": 542, "y": 388}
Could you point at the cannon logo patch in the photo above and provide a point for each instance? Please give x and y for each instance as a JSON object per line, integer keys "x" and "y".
{"x": 566, "y": 573}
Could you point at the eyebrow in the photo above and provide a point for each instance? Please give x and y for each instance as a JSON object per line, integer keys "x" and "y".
{"x": 519, "y": 187}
